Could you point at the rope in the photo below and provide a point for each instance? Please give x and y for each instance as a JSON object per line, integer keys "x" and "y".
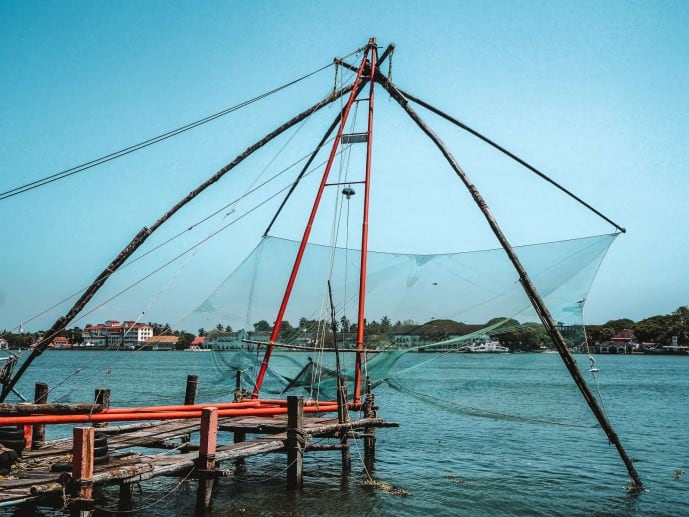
{"x": 154, "y": 140}
{"x": 426, "y": 398}
{"x": 154, "y": 502}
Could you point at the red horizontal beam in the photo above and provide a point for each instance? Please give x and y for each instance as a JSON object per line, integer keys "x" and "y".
{"x": 113, "y": 416}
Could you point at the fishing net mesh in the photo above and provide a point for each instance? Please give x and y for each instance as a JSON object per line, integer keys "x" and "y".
{"x": 415, "y": 302}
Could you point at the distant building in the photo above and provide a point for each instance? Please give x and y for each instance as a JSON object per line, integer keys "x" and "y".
{"x": 160, "y": 343}
{"x": 113, "y": 335}
{"x": 624, "y": 342}
{"x": 60, "y": 342}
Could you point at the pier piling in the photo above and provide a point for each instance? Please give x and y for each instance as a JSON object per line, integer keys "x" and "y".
{"x": 206, "y": 460}
{"x": 38, "y": 433}
{"x": 342, "y": 417}
{"x": 295, "y": 442}
{"x": 192, "y": 388}
{"x": 102, "y": 398}
{"x": 369, "y": 409}
{"x": 82, "y": 469}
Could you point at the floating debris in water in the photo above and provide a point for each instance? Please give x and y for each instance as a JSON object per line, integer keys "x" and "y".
{"x": 456, "y": 479}
{"x": 386, "y": 487}
{"x": 678, "y": 474}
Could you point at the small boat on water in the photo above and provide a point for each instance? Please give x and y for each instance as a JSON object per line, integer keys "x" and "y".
{"x": 486, "y": 347}
{"x": 196, "y": 348}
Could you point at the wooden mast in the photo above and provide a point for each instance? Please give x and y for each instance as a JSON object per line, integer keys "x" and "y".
{"x": 530, "y": 290}
{"x": 140, "y": 237}
{"x": 361, "y": 322}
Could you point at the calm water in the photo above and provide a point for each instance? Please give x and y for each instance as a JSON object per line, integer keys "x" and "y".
{"x": 479, "y": 435}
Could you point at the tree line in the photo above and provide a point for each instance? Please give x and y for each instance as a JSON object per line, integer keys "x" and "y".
{"x": 517, "y": 336}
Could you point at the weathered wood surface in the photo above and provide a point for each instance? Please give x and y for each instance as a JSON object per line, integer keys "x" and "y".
{"x": 49, "y": 409}
{"x": 34, "y": 479}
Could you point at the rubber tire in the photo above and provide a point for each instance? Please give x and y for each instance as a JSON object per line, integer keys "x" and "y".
{"x": 100, "y": 440}
{"x": 11, "y": 433}
{"x": 17, "y": 445}
{"x": 99, "y": 452}
{"x": 61, "y": 466}
{"x": 101, "y": 460}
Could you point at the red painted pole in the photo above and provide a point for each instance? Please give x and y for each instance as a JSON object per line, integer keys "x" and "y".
{"x": 364, "y": 231}
{"x": 82, "y": 460}
{"x": 307, "y": 230}
{"x": 208, "y": 440}
{"x": 112, "y": 416}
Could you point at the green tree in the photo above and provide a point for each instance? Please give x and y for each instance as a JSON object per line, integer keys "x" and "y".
{"x": 385, "y": 325}
{"x": 345, "y": 324}
{"x": 262, "y": 326}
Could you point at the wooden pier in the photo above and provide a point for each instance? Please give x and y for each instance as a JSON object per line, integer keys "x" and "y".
{"x": 67, "y": 470}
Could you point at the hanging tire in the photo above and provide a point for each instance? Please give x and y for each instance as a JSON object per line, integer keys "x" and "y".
{"x": 99, "y": 452}
{"x": 11, "y": 432}
{"x": 100, "y": 439}
{"x": 7, "y": 457}
{"x": 100, "y": 449}
{"x": 16, "y": 445}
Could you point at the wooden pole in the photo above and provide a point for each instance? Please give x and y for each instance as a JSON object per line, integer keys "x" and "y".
{"x": 530, "y": 290}
{"x": 82, "y": 468}
{"x": 239, "y": 464}
{"x": 342, "y": 417}
{"x": 206, "y": 461}
{"x": 102, "y": 398}
{"x": 238, "y": 393}
{"x": 40, "y": 397}
{"x": 369, "y": 432}
{"x": 192, "y": 388}
{"x": 295, "y": 442}
{"x": 125, "y": 502}
{"x": 190, "y": 400}
{"x": 138, "y": 240}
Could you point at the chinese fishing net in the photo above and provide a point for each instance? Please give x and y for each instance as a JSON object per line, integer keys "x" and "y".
{"x": 459, "y": 302}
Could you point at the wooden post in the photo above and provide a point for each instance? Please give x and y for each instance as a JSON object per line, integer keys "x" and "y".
{"x": 28, "y": 436}
{"x": 82, "y": 467}
{"x": 239, "y": 464}
{"x": 125, "y": 502}
{"x": 369, "y": 432}
{"x": 206, "y": 461}
{"x": 238, "y": 395}
{"x": 295, "y": 441}
{"x": 103, "y": 398}
{"x": 192, "y": 386}
{"x": 342, "y": 417}
{"x": 189, "y": 400}
{"x": 40, "y": 397}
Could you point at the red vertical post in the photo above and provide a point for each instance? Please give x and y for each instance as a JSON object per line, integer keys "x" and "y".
{"x": 307, "y": 231}
{"x": 364, "y": 232}
{"x": 82, "y": 461}
{"x": 206, "y": 464}
{"x": 28, "y": 436}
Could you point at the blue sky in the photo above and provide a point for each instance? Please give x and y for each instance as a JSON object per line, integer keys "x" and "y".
{"x": 593, "y": 93}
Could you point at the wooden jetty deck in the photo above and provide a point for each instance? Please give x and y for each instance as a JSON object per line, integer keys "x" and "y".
{"x": 131, "y": 458}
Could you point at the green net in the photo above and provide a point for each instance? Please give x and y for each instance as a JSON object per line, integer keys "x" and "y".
{"x": 469, "y": 301}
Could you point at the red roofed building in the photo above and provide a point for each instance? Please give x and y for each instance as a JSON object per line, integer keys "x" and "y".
{"x": 621, "y": 343}
{"x": 113, "y": 335}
